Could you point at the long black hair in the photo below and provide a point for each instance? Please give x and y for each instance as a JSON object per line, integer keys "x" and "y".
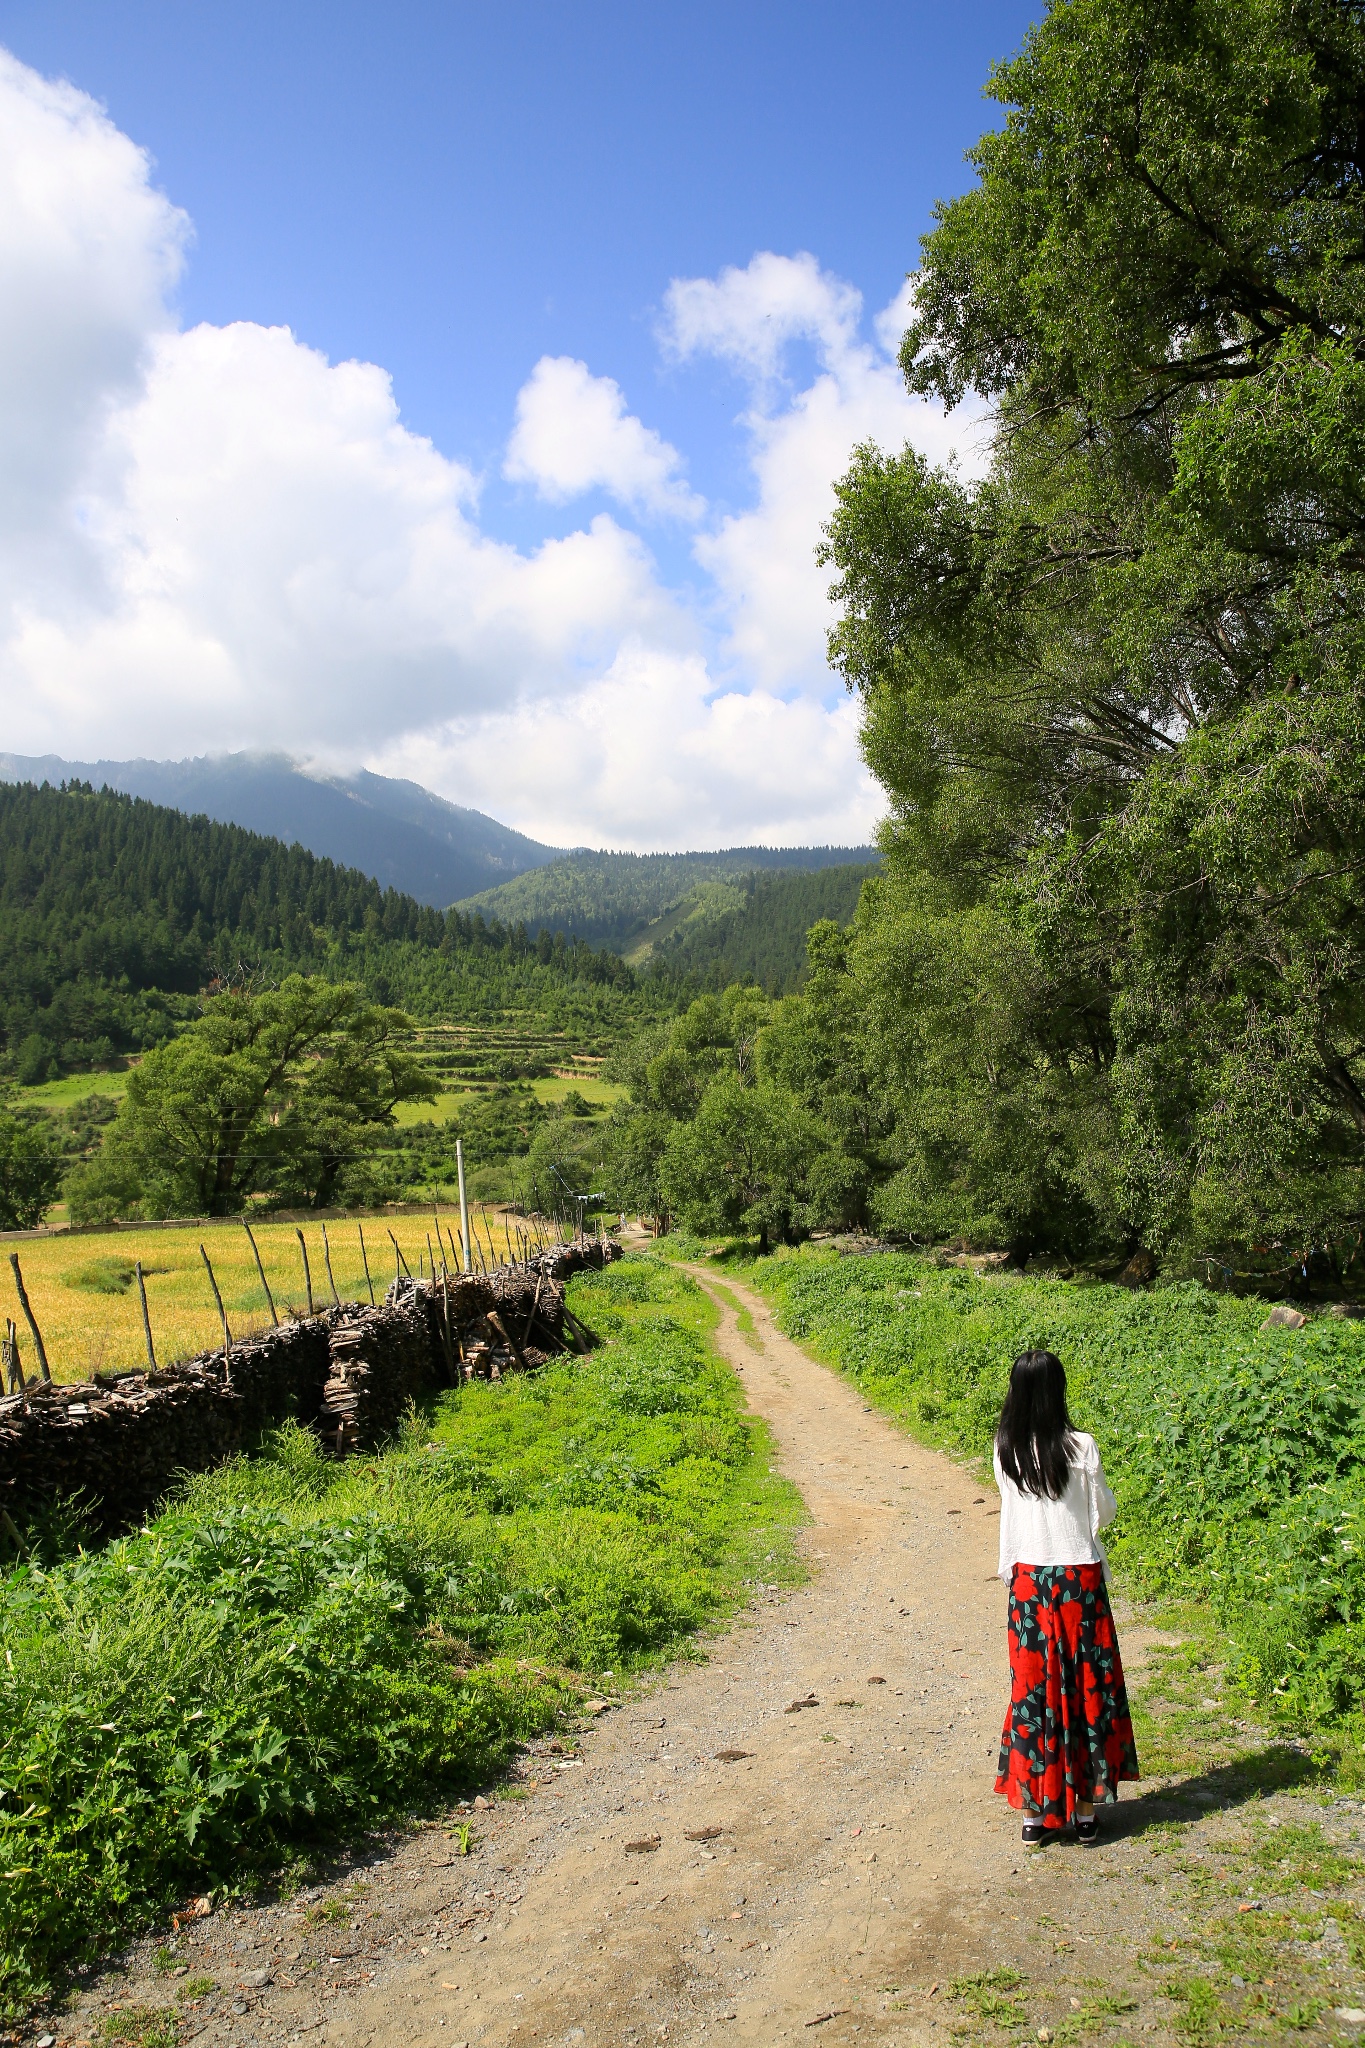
{"x": 1035, "y": 1433}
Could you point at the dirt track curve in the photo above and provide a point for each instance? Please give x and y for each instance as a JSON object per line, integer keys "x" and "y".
{"x": 861, "y": 1860}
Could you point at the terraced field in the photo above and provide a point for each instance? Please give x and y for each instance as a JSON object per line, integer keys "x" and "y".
{"x": 505, "y": 1049}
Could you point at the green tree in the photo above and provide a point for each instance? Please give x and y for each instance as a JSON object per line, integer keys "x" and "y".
{"x": 634, "y": 1143}
{"x": 1114, "y": 689}
{"x": 272, "y": 1093}
{"x": 30, "y": 1168}
{"x": 567, "y": 1160}
{"x": 744, "y": 1161}
{"x": 668, "y": 1070}
{"x": 819, "y": 1048}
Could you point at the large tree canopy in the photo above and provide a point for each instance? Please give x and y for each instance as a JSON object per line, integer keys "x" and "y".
{"x": 745, "y": 1113}
{"x": 274, "y": 1093}
{"x": 1114, "y": 689}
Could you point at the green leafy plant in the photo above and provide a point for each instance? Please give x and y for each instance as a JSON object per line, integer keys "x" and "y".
{"x": 330, "y": 1912}
{"x": 298, "y": 1646}
{"x": 987, "y": 1995}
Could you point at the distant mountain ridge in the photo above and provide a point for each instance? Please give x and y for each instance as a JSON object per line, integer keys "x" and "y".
{"x": 440, "y": 853}
{"x": 612, "y": 899}
{"x": 750, "y": 930}
{"x": 399, "y": 833}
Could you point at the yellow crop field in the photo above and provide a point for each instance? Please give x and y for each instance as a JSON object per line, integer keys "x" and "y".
{"x": 84, "y": 1295}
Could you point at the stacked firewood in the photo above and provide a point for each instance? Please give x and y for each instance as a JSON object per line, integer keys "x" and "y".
{"x": 119, "y": 1443}
{"x": 511, "y": 1319}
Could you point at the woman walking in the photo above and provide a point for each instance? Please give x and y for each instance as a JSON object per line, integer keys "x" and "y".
{"x": 1068, "y": 1738}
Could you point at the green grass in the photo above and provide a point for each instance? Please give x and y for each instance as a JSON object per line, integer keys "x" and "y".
{"x": 987, "y": 1995}
{"x": 447, "y": 1105}
{"x": 744, "y": 1321}
{"x": 296, "y": 1647}
{"x": 602, "y": 1094}
{"x": 1237, "y": 1453}
{"x": 72, "y": 1088}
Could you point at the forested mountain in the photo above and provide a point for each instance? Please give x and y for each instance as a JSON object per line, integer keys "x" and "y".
{"x": 610, "y": 899}
{"x": 115, "y": 912}
{"x": 398, "y": 832}
{"x": 756, "y": 934}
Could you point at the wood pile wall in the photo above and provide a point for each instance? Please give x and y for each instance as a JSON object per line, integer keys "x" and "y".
{"x": 118, "y": 1444}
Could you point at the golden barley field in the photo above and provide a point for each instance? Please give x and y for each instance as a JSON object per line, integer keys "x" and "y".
{"x": 84, "y": 1294}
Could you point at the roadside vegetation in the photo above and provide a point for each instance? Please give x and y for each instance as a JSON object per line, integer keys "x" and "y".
{"x": 296, "y": 1648}
{"x": 1237, "y": 1451}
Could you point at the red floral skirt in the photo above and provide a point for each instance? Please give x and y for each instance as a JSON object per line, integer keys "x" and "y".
{"x": 1068, "y": 1734}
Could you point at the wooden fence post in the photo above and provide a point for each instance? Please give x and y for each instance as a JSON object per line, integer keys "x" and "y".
{"x": 535, "y": 1304}
{"x": 274, "y": 1312}
{"x": 327, "y": 1255}
{"x": 445, "y": 1330}
{"x": 464, "y": 1203}
{"x": 30, "y": 1318}
{"x": 365, "y": 1257}
{"x": 14, "y": 1363}
{"x": 222, "y": 1312}
{"x": 307, "y": 1271}
{"x": 146, "y": 1319}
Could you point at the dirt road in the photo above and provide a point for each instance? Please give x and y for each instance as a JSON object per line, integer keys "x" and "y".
{"x": 858, "y": 1841}
{"x": 831, "y": 1879}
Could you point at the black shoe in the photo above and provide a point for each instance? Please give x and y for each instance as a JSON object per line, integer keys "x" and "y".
{"x": 1087, "y": 1831}
{"x": 1035, "y": 1834}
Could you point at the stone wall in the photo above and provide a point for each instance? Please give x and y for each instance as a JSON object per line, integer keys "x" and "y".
{"x": 119, "y": 1444}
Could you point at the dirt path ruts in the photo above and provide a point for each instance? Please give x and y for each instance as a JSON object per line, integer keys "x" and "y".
{"x": 862, "y": 1860}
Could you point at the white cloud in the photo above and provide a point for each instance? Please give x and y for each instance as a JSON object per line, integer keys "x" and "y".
{"x": 651, "y": 756}
{"x": 890, "y": 324}
{"x": 215, "y": 538}
{"x": 573, "y": 434}
{"x": 288, "y": 565}
{"x": 88, "y": 254}
{"x": 748, "y": 317}
{"x": 762, "y": 560}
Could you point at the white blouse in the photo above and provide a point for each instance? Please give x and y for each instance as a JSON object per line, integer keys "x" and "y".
{"x": 1036, "y": 1530}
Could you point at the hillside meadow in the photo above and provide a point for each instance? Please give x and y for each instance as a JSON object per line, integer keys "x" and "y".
{"x": 84, "y": 1294}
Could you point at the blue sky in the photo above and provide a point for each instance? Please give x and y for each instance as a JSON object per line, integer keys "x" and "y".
{"x": 454, "y": 194}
